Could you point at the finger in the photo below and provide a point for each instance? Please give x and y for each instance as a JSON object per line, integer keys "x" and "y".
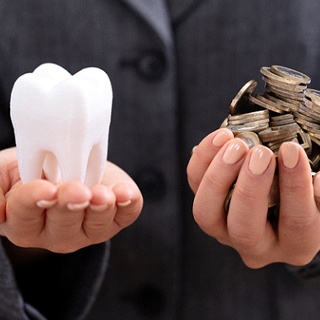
{"x": 123, "y": 186}
{"x": 203, "y": 155}
{"x": 74, "y": 195}
{"x": 100, "y": 214}
{"x": 208, "y": 207}
{"x": 64, "y": 220}
{"x": 299, "y": 216}
{"x": 111, "y": 210}
{"x": 9, "y": 169}
{"x": 24, "y": 199}
{"x": 102, "y": 198}
{"x": 24, "y": 216}
{"x": 249, "y": 231}
{"x": 129, "y": 204}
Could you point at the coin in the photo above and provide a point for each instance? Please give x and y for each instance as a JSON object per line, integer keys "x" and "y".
{"x": 312, "y": 114}
{"x": 288, "y": 105}
{"x": 283, "y": 77}
{"x": 281, "y": 120}
{"x": 240, "y": 101}
{"x": 287, "y": 111}
{"x": 304, "y": 140}
{"x": 290, "y": 74}
{"x": 224, "y": 124}
{"x": 285, "y": 85}
{"x": 254, "y": 127}
{"x": 274, "y": 194}
{"x": 315, "y": 141}
{"x": 251, "y": 138}
{"x": 296, "y": 96}
{"x": 314, "y": 96}
{"x": 256, "y": 99}
{"x": 255, "y": 114}
{"x": 245, "y": 118}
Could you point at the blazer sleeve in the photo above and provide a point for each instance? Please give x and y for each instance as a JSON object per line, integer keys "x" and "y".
{"x": 7, "y": 136}
{"x": 51, "y": 286}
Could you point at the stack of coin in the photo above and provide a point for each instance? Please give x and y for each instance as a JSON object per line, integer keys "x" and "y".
{"x": 286, "y": 111}
{"x": 286, "y": 84}
{"x": 308, "y": 117}
{"x": 308, "y": 114}
{"x": 245, "y": 116}
{"x": 283, "y": 128}
{"x": 254, "y": 121}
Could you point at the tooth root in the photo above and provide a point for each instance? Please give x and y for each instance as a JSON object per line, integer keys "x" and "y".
{"x": 31, "y": 167}
{"x": 51, "y": 168}
{"x": 97, "y": 156}
{"x": 70, "y": 171}
{"x": 61, "y": 123}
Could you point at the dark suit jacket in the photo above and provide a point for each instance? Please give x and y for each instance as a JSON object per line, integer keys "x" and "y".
{"x": 174, "y": 71}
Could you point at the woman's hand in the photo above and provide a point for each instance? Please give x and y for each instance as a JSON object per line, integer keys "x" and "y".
{"x": 220, "y": 160}
{"x": 64, "y": 218}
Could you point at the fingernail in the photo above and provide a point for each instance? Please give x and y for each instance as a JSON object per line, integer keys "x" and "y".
{"x": 259, "y": 160}
{"x": 220, "y": 139}
{"x": 99, "y": 207}
{"x": 124, "y": 204}
{"x": 235, "y": 151}
{"x": 290, "y": 154}
{"x": 46, "y": 204}
{"x": 78, "y": 206}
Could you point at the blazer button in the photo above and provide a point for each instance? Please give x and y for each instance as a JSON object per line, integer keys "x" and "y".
{"x": 151, "y": 64}
{"x": 151, "y": 183}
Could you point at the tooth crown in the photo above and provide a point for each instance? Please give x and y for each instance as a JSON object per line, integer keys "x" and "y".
{"x": 61, "y": 123}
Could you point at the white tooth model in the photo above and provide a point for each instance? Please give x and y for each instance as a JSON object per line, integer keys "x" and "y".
{"x": 61, "y": 123}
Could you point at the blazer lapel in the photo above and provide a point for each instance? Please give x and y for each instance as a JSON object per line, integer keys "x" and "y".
{"x": 155, "y": 13}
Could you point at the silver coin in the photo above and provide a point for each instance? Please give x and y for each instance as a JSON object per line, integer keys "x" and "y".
{"x": 251, "y": 138}
{"x": 290, "y": 74}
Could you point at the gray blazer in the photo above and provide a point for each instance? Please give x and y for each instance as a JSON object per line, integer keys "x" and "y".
{"x": 174, "y": 67}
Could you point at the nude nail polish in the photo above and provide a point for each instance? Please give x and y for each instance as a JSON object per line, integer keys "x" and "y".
{"x": 220, "y": 139}
{"x": 290, "y": 155}
{"x": 259, "y": 160}
{"x": 235, "y": 151}
{"x": 124, "y": 204}
{"x": 46, "y": 204}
